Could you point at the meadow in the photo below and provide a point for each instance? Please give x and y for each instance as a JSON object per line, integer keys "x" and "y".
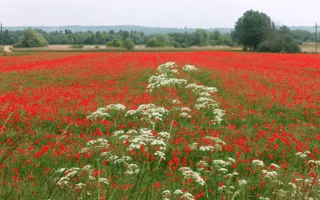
{"x": 160, "y": 125}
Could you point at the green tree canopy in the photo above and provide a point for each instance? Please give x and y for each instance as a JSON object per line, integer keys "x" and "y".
{"x": 128, "y": 44}
{"x": 31, "y": 38}
{"x": 252, "y": 28}
{"x": 115, "y": 43}
{"x": 152, "y": 42}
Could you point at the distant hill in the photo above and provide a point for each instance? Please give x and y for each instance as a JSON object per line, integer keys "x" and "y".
{"x": 146, "y": 30}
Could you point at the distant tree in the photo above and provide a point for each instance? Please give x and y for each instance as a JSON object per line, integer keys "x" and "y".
{"x": 152, "y": 42}
{"x": 163, "y": 40}
{"x": 251, "y": 29}
{"x": 284, "y": 44}
{"x": 201, "y": 38}
{"x": 115, "y": 43}
{"x": 176, "y": 44}
{"x": 31, "y": 38}
{"x": 128, "y": 44}
{"x": 284, "y": 30}
{"x": 225, "y": 40}
{"x": 281, "y": 41}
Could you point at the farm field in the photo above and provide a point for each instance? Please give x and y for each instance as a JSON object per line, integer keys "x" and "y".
{"x": 138, "y": 48}
{"x": 305, "y": 48}
{"x": 211, "y": 125}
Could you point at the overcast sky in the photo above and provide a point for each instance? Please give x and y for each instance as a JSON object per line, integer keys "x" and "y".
{"x": 154, "y": 13}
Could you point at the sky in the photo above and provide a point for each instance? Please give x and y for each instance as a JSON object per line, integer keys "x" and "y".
{"x": 160, "y": 13}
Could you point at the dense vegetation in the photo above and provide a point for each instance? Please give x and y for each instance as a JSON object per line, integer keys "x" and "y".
{"x": 31, "y": 38}
{"x": 116, "y": 39}
{"x": 255, "y": 31}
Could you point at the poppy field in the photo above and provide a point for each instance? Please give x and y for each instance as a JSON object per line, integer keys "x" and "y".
{"x": 160, "y": 125}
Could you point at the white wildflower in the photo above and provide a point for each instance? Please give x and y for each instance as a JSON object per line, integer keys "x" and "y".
{"x": 258, "y": 163}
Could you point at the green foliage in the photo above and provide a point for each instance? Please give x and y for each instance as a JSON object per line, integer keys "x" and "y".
{"x": 225, "y": 40}
{"x": 251, "y": 29}
{"x": 284, "y": 43}
{"x": 115, "y": 43}
{"x": 31, "y": 38}
{"x": 184, "y": 45}
{"x": 128, "y": 44}
{"x": 176, "y": 44}
{"x": 152, "y": 42}
{"x": 163, "y": 40}
{"x": 201, "y": 38}
{"x": 76, "y": 46}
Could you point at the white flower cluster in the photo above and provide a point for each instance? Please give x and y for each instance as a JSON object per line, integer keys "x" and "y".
{"x": 275, "y": 166}
{"x": 178, "y": 193}
{"x": 315, "y": 162}
{"x": 203, "y": 166}
{"x": 222, "y": 165}
{"x": 167, "y": 68}
{"x": 189, "y": 68}
{"x": 206, "y": 101}
{"x": 198, "y": 89}
{"x": 258, "y": 163}
{"x": 101, "y": 113}
{"x": 303, "y": 154}
{"x": 148, "y": 112}
{"x": 271, "y": 175}
{"x": 218, "y": 115}
{"x": 116, "y": 159}
{"x": 163, "y": 80}
{"x": 68, "y": 174}
{"x": 146, "y": 138}
{"x": 131, "y": 169}
{"x": 264, "y": 198}
{"x": 104, "y": 113}
{"x": 189, "y": 174}
{"x": 93, "y": 144}
{"x": 184, "y": 112}
{"x": 99, "y": 143}
{"x": 242, "y": 182}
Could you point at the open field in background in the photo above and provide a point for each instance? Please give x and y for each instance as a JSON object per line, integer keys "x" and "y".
{"x": 137, "y": 48}
{"x": 306, "y": 48}
{"x": 309, "y": 47}
{"x": 271, "y": 106}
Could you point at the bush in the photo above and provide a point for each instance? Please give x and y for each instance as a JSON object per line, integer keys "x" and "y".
{"x": 184, "y": 45}
{"x": 128, "y": 44}
{"x": 152, "y": 42}
{"x": 264, "y": 47}
{"x": 176, "y": 44}
{"x": 31, "y": 38}
{"x": 284, "y": 44}
{"x": 76, "y": 46}
{"x": 114, "y": 43}
{"x": 97, "y": 47}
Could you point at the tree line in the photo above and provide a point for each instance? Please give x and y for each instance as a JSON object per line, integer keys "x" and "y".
{"x": 254, "y": 31}
{"x": 112, "y": 38}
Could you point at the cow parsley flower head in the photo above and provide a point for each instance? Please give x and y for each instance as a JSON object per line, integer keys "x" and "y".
{"x": 189, "y": 68}
{"x": 189, "y": 174}
{"x": 258, "y": 163}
